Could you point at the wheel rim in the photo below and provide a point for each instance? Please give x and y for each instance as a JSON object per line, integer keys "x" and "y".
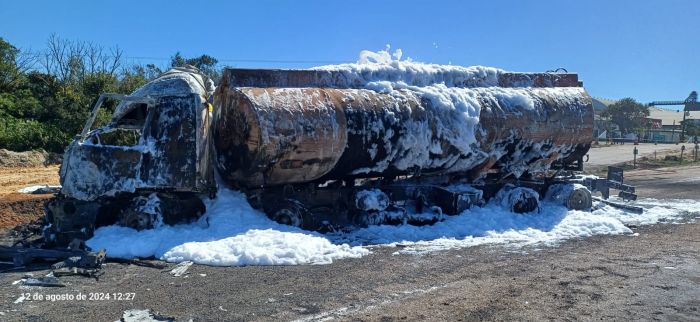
{"x": 579, "y": 199}
{"x": 288, "y": 217}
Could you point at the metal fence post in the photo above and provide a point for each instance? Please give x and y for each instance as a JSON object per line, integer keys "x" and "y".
{"x": 682, "y": 149}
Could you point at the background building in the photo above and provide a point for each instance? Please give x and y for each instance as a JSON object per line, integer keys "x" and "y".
{"x": 663, "y": 125}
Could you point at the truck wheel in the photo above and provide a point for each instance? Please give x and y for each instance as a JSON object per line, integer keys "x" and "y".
{"x": 136, "y": 220}
{"x": 135, "y": 214}
{"x": 573, "y": 196}
{"x": 518, "y": 199}
{"x": 579, "y": 199}
{"x": 288, "y": 212}
{"x": 370, "y": 218}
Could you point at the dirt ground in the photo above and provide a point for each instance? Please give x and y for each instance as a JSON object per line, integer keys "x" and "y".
{"x": 18, "y": 207}
{"x": 654, "y": 275}
{"x": 13, "y": 179}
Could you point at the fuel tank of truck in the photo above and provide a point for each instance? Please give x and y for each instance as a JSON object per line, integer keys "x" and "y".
{"x": 275, "y": 127}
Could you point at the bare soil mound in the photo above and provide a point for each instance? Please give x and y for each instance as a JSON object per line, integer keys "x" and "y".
{"x": 28, "y": 159}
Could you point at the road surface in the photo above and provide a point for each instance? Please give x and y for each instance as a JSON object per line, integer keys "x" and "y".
{"x": 607, "y": 155}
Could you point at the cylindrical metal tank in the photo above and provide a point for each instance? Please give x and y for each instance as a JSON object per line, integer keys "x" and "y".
{"x": 267, "y": 136}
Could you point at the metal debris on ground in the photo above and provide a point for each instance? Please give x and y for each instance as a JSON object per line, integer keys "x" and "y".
{"x": 140, "y": 262}
{"x": 73, "y": 261}
{"x": 88, "y": 265}
{"x": 634, "y": 209}
{"x": 181, "y": 268}
{"x": 29, "y": 234}
{"x": 28, "y": 275}
{"x": 143, "y": 316}
{"x": 45, "y": 281}
{"x": 24, "y": 255}
{"x": 87, "y": 260}
{"x": 21, "y": 256}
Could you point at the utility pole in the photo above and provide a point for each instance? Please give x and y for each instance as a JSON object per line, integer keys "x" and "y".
{"x": 685, "y": 113}
{"x": 673, "y": 131}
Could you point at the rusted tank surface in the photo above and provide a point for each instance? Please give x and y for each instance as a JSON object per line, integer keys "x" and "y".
{"x": 273, "y": 131}
{"x": 242, "y": 77}
{"x": 270, "y": 136}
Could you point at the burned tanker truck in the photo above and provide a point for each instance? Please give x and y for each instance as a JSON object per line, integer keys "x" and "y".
{"x": 331, "y": 148}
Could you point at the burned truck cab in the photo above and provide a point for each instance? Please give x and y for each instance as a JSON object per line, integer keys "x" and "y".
{"x": 146, "y": 167}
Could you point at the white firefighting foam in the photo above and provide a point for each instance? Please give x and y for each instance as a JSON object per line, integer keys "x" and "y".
{"x": 381, "y": 67}
{"x": 234, "y": 234}
{"x": 456, "y": 96}
{"x": 550, "y": 225}
{"x": 230, "y": 234}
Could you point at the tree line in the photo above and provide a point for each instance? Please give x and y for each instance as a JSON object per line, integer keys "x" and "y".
{"x": 628, "y": 114}
{"x": 46, "y": 96}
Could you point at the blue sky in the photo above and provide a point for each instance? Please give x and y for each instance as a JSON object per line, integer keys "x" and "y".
{"x": 648, "y": 50}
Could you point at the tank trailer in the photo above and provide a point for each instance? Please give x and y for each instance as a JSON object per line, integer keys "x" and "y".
{"x": 319, "y": 150}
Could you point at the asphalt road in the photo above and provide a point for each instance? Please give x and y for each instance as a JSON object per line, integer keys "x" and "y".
{"x": 654, "y": 275}
{"x": 617, "y": 153}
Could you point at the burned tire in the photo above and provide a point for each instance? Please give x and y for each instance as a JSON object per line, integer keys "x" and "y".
{"x": 135, "y": 214}
{"x": 573, "y": 196}
{"x": 370, "y": 218}
{"x": 152, "y": 210}
{"x": 579, "y": 199}
{"x": 136, "y": 220}
{"x": 518, "y": 199}
{"x": 288, "y": 212}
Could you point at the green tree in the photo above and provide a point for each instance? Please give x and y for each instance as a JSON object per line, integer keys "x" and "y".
{"x": 205, "y": 63}
{"x": 46, "y": 98}
{"x": 15, "y": 98}
{"x": 8, "y": 67}
{"x": 627, "y": 113}
{"x": 46, "y": 109}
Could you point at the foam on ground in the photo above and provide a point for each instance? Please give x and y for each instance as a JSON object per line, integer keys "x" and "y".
{"x": 493, "y": 224}
{"x": 230, "y": 234}
{"x": 234, "y": 234}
